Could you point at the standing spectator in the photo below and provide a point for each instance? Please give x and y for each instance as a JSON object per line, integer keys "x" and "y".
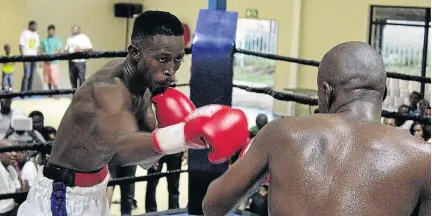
{"x": 29, "y": 45}
{"x": 78, "y": 42}
{"x": 7, "y": 70}
{"x": 414, "y": 98}
{"x": 127, "y": 191}
{"x": 260, "y": 121}
{"x": 51, "y": 45}
{"x": 7, "y": 185}
{"x": 173, "y": 162}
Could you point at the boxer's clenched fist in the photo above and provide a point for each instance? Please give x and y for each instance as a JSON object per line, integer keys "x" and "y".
{"x": 172, "y": 107}
{"x": 222, "y": 129}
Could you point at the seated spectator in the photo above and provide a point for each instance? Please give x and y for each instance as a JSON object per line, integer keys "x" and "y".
{"x": 402, "y": 124}
{"x": 390, "y": 122}
{"x": 422, "y": 106}
{"x": 259, "y": 203}
{"x": 427, "y": 112}
{"x": 49, "y": 133}
{"x": 6, "y": 113}
{"x": 414, "y": 98}
{"x": 27, "y": 170}
{"x": 421, "y": 131}
{"x": 260, "y": 121}
{"x": 22, "y": 132}
{"x": 7, "y": 185}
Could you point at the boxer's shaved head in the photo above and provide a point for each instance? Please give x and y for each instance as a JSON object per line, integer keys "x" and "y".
{"x": 151, "y": 23}
{"x": 350, "y": 72}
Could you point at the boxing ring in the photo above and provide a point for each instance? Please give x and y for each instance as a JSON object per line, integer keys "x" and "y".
{"x": 211, "y": 62}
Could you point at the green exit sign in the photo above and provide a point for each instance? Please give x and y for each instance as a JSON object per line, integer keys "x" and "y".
{"x": 252, "y": 13}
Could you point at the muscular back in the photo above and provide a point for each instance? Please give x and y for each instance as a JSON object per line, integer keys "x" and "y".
{"x": 327, "y": 165}
{"x": 81, "y": 144}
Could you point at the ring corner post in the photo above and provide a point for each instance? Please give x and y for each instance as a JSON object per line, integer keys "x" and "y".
{"x": 210, "y": 83}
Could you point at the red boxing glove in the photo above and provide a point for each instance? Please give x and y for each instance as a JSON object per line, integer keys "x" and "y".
{"x": 218, "y": 127}
{"x": 172, "y": 107}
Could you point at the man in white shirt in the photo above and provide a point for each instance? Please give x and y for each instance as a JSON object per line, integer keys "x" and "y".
{"x": 78, "y": 42}
{"x": 7, "y": 185}
{"x": 28, "y": 45}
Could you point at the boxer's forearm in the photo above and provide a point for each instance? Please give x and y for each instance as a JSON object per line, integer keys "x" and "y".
{"x": 136, "y": 148}
{"x": 219, "y": 201}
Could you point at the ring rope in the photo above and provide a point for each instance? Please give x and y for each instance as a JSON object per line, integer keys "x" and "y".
{"x": 70, "y": 56}
{"x": 188, "y": 50}
{"x": 317, "y": 63}
{"x": 264, "y": 90}
{"x": 118, "y": 181}
{"x": 42, "y": 147}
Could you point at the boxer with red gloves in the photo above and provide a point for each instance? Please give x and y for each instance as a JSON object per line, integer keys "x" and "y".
{"x": 110, "y": 118}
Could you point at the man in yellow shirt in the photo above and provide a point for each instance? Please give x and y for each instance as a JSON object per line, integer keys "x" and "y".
{"x": 7, "y": 71}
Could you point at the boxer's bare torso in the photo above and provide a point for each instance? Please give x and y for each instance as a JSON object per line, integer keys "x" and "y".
{"x": 332, "y": 165}
{"x": 79, "y": 144}
{"x": 341, "y": 162}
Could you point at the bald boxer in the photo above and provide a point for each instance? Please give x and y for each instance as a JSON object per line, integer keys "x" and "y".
{"x": 340, "y": 162}
{"x": 108, "y": 114}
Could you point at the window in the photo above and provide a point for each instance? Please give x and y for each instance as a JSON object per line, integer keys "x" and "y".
{"x": 401, "y": 35}
{"x": 259, "y": 36}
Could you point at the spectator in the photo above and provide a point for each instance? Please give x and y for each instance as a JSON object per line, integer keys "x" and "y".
{"x": 49, "y": 133}
{"x": 6, "y": 114}
{"x": 427, "y": 112}
{"x": 422, "y": 105}
{"x": 51, "y": 45}
{"x": 260, "y": 121}
{"x": 27, "y": 170}
{"x": 29, "y": 45}
{"x": 414, "y": 98}
{"x": 78, "y": 42}
{"x": 259, "y": 203}
{"x": 316, "y": 111}
{"x": 127, "y": 191}
{"x": 421, "y": 131}
{"x": 390, "y": 122}
{"x": 7, "y": 185}
{"x": 173, "y": 162}
{"x": 405, "y": 125}
{"x": 7, "y": 70}
{"x": 21, "y": 130}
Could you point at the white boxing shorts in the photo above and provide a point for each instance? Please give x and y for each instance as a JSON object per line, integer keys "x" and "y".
{"x": 48, "y": 199}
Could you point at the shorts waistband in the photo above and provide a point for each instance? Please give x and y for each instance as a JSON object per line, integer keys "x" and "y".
{"x": 72, "y": 178}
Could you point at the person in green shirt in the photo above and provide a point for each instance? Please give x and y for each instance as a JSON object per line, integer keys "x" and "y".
{"x": 260, "y": 121}
{"x": 51, "y": 45}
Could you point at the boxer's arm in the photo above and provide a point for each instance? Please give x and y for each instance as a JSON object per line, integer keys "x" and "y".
{"x": 243, "y": 177}
{"x": 425, "y": 196}
{"x": 118, "y": 125}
